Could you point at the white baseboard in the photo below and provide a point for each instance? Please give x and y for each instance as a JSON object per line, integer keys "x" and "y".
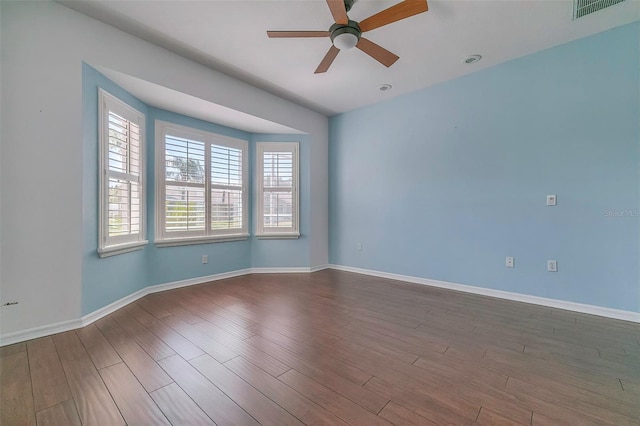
{"x": 292, "y": 270}
{"x": 35, "y": 332}
{"x": 500, "y": 294}
{"x": 103, "y": 312}
{"x": 194, "y": 281}
{"x": 46, "y": 330}
{"x": 112, "y": 307}
{"x": 318, "y": 268}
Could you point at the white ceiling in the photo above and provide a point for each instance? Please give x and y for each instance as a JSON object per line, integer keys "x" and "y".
{"x": 172, "y": 100}
{"x": 230, "y": 36}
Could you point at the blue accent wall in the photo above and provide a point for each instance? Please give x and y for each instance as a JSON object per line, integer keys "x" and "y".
{"x": 103, "y": 280}
{"x": 445, "y": 182}
{"x": 109, "y": 279}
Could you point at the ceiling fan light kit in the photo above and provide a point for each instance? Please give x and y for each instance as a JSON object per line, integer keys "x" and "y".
{"x": 346, "y": 34}
{"x": 345, "y": 37}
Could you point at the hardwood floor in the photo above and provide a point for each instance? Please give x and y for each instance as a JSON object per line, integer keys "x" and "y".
{"x": 327, "y": 348}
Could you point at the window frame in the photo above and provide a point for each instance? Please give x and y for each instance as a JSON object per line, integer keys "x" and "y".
{"x": 208, "y": 235}
{"x": 292, "y": 232}
{"x": 107, "y": 245}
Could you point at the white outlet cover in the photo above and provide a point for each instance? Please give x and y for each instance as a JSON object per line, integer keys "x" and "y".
{"x": 552, "y": 200}
{"x": 509, "y": 262}
{"x": 552, "y": 266}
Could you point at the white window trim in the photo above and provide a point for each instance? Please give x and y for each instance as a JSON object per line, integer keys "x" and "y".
{"x": 111, "y": 246}
{"x": 208, "y": 236}
{"x": 275, "y": 233}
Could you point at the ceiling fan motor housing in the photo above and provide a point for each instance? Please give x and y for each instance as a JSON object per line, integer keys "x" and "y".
{"x": 345, "y": 36}
{"x": 348, "y": 4}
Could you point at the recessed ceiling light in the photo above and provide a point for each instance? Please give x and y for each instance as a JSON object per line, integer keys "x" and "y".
{"x": 384, "y": 87}
{"x": 472, "y": 58}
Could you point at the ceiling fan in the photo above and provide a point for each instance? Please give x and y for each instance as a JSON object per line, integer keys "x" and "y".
{"x": 346, "y": 34}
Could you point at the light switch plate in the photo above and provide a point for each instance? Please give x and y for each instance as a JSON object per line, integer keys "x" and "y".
{"x": 551, "y": 200}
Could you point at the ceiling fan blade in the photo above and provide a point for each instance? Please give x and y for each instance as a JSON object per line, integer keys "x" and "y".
{"x": 287, "y": 34}
{"x": 339, "y": 11}
{"x": 395, "y": 13}
{"x": 327, "y": 60}
{"x": 377, "y": 52}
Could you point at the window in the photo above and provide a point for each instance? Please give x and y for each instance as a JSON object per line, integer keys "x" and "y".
{"x": 201, "y": 186}
{"x": 277, "y": 190}
{"x": 121, "y": 177}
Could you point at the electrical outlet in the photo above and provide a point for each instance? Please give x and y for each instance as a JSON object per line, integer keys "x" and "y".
{"x": 509, "y": 262}
{"x": 551, "y": 200}
{"x": 205, "y": 258}
{"x": 552, "y": 266}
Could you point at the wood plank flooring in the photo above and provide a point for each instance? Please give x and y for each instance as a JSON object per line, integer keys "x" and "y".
{"x": 331, "y": 348}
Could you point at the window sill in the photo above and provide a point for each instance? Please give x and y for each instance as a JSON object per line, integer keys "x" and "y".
{"x": 172, "y": 242}
{"x": 278, "y": 236}
{"x": 121, "y": 249}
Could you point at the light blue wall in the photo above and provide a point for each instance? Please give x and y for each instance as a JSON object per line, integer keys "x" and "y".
{"x": 110, "y": 279}
{"x": 284, "y": 253}
{"x": 445, "y": 182}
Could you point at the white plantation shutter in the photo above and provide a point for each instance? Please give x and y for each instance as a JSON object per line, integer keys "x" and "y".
{"x": 202, "y": 191}
{"x": 121, "y": 176}
{"x": 277, "y": 175}
{"x": 226, "y": 188}
{"x": 124, "y": 176}
{"x": 185, "y": 185}
{"x": 278, "y": 186}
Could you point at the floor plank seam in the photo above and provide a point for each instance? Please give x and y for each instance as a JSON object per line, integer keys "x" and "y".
{"x": 31, "y": 381}
{"x": 225, "y": 393}
{"x": 223, "y": 363}
{"x": 385, "y": 406}
{"x": 272, "y": 400}
{"x": 281, "y": 374}
{"x": 109, "y": 392}
{"x": 75, "y": 406}
{"x": 155, "y": 402}
{"x": 368, "y": 380}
